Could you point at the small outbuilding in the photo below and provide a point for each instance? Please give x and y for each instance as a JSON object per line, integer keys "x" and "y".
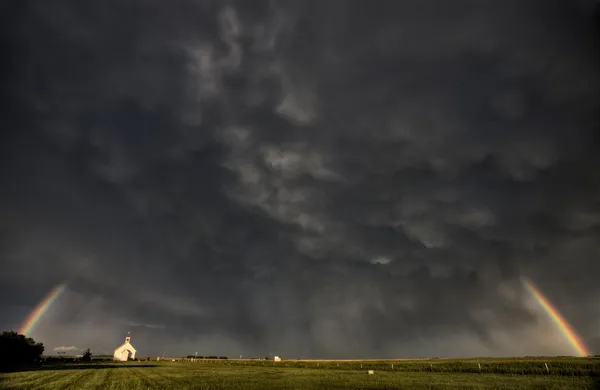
{"x": 276, "y": 359}
{"x": 126, "y": 351}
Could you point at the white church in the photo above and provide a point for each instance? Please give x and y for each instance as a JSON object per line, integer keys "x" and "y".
{"x": 125, "y": 352}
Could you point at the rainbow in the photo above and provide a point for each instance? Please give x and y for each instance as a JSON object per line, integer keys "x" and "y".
{"x": 36, "y": 314}
{"x": 558, "y": 319}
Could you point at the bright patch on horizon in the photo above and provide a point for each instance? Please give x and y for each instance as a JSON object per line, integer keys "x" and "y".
{"x": 65, "y": 348}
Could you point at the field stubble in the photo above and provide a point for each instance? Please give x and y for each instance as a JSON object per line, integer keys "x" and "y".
{"x": 562, "y": 373}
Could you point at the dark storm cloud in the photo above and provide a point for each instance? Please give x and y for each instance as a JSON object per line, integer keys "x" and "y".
{"x": 315, "y": 179}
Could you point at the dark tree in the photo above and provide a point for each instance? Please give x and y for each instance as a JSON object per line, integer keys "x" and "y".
{"x": 16, "y": 350}
{"x": 87, "y": 356}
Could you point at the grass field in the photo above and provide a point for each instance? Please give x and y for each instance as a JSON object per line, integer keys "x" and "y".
{"x": 562, "y": 373}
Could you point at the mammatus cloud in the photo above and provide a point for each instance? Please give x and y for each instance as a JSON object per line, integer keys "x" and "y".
{"x": 317, "y": 179}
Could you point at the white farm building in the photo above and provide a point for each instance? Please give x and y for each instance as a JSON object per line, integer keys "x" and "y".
{"x": 125, "y": 352}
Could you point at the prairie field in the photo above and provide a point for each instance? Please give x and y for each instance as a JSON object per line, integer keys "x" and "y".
{"x": 518, "y": 373}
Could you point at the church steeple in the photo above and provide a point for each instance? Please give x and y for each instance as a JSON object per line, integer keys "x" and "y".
{"x": 127, "y": 338}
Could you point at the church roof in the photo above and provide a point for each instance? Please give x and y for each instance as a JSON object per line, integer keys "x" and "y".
{"x": 125, "y": 346}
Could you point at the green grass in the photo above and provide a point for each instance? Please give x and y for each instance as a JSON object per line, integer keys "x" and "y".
{"x": 564, "y": 373}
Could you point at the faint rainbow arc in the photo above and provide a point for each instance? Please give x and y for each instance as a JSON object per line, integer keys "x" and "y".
{"x": 36, "y": 314}
{"x": 562, "y": 324}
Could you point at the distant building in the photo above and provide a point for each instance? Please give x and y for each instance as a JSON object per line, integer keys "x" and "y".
{"x": 276, "y": 359}
{"x": 125, "y": 352}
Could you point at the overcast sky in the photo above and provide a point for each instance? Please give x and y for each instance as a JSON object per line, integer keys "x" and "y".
{"x": 322, "y": 178}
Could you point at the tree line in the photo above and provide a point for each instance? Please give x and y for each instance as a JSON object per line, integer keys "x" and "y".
{"x": 205, "y": 357}
{"x": 17, "y": 351}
